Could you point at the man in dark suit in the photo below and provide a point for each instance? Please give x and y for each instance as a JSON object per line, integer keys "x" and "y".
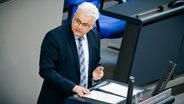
{"x": 59, "y": 60}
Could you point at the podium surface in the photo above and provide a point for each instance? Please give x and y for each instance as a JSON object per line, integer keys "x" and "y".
{"x": 110, "y": 91}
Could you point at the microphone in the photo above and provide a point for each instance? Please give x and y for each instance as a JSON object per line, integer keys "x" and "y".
{"x": 130, "y": 89}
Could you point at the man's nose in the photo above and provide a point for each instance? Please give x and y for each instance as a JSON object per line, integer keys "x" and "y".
{"x": 80, "y": 26}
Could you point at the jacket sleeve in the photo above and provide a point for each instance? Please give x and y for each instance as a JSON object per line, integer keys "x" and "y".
{"x": 48, "y": 59}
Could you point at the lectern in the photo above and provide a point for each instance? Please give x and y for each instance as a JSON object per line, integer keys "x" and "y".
{"x": 114, "y": 92}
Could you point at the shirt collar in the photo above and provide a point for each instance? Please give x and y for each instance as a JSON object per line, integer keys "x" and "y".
{"x": 84, "y": 37}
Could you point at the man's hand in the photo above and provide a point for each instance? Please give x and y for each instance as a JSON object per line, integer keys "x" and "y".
{"x": 81, "y": 91}
{"x": 98, "y": 73}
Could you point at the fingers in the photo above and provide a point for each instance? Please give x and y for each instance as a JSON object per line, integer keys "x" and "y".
{"x": 98, "y": 73}
{"x": 97, "y": 76}
{"x": 81, "y": 91}
{"x": 101, "y": 68}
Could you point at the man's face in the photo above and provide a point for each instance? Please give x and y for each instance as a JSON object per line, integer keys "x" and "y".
{"x": 81, "y": 24}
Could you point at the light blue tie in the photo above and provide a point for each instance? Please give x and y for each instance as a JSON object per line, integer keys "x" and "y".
{"x": 83, "y": 81}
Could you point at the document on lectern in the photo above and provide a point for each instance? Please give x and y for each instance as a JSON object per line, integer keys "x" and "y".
{"x": 118, "y": 89}
{"x": 104, "y": 97}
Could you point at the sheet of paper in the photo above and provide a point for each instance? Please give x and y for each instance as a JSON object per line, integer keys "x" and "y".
{"x": 118, "y": 89}
{"x": 105, "y": 97}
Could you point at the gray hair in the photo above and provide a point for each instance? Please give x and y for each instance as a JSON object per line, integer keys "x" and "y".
{"x": 89, "y": 9}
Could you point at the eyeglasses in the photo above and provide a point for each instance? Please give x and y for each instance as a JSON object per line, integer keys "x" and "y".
{"x": 78, "y": 22}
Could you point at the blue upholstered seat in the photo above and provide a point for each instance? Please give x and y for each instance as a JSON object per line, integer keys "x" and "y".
{"x": 111, "y": 27}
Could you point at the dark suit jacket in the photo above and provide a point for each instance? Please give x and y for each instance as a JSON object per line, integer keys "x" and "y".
{"x": 59, "y": 65}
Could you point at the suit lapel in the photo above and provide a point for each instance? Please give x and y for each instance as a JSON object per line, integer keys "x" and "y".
{"x": 73, "y": 46}
{"x": 90, "y": 49}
